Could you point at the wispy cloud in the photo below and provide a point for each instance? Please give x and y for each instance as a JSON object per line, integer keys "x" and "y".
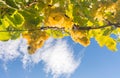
{"x": 57, "y": 56}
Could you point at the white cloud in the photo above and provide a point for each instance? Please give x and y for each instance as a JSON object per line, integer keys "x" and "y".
{"x": 8, "y": 50}
{"x": 57, "y": 56}
{"x": 59, "y": 59}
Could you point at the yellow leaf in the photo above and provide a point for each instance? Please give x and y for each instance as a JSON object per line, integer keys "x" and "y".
{"x": 55, "y": 20}
{"x": 101, "y": 40}
{"x": 107, "y": 41}
{"x": 35, "y": 40}
{"x": 89, "y": 23}
{"x": 4, "y": 36}
{"x": 111, "y": 44}
{"x": 100, "y": 23}
{"x": 58, "y": 19}
{"x": 70, "y": 11}
{"x": 4, "y": 23}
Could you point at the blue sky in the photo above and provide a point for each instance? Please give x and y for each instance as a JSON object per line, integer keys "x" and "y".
{"x": 58, "y": 58}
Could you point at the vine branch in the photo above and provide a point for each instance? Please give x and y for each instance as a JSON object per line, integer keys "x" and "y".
{"x": 32, "y": 3}
{"x": 41, "y": 28}
{"x": 75, "y": 27}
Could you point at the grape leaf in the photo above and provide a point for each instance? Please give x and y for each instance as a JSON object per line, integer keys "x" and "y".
{"x": 16, "y": 20}
{"x": 11, "y": 3}
{"x": 79, "y": 19}
{"x": 107, "y": 41}
{"x": 4, "y": 36}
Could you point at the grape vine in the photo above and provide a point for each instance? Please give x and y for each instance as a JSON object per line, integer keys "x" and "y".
{"x": 37, "y": 20}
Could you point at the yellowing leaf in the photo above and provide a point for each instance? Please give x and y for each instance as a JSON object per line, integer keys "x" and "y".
{"x": 4, "y": 23}
{"x": 95, "y": 33}
{"x": 56, "y": 33}
{"x": 101, "y": 40}
{"x": 80, "y": 37}
{"x": 84, "y": 41}
{"x": 35, "y": 40}
{"x": 4, "y": 36}
{"x": 107, "y": 41}
{"x": 54, "y": 20}
{"x": 67, "y": 24}
{"x": 100, "y": 23}
{"x": 111, "y": 44}
{"x": 70, "y": 11}
{"x": 89, "y": 23}
{"x": 58, "y": 19}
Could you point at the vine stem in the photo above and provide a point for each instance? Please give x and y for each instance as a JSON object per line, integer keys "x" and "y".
{"x": 75, "y": 27}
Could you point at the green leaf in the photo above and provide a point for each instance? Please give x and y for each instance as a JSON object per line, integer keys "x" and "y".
{"x": 41, "y": 6}
{"x": 32, "y": 19}
{"x": 15, "y": 35}
{"x": 56, "y": 33}
{"x": 11, "y": 3}
{"x": 0, "y": 22}
{"x": 114, "y": 0}
{"x": 16, "y": 20}
{"x": 118, "y": 40}
{"x": 107, "y": 31}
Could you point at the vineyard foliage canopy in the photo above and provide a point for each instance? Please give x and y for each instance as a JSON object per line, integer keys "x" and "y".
{"x": 37, "y": 20}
